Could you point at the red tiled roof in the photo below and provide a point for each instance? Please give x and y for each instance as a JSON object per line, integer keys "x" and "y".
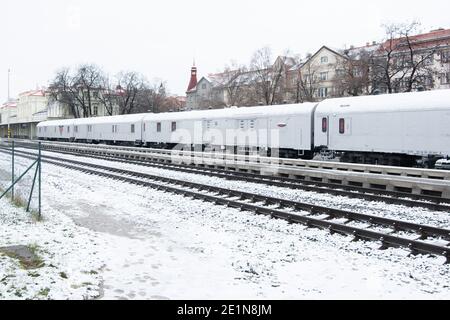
{"x": 422, "y": 41}
{"x": 34, "y": 93}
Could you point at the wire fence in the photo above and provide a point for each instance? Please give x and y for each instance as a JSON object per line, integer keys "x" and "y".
{"x": 20, "y": 177}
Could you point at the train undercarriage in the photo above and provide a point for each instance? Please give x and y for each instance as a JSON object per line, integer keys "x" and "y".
{"x": 373, "y": 158}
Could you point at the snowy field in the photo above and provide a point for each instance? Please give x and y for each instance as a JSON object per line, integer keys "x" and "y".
{"x": 103, "y": 239}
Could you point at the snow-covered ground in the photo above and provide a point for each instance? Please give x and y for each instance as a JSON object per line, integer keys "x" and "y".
{"x": 414, "y": 215}
{"x": 114, "y": 240}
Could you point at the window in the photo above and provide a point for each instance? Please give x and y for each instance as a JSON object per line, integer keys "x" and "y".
{"x": 324, "y": 124}
{"x": 68, "y": 129}
{"x": 445, "y": 78}
{"x": 132, "y": 128}
{"x": 428, "y": 59}
{"x": 76, "y": 129}
{"x": 357, "y": 72}
{"x": 445, "y": 56}
{"x": 158, "y": 127}
{"x": 95, "y": 111}
{"x": 204, "y": 86}
{"x": 323, "y": 92}
{"x": 95, "y": 94}
{"x": 144, "y": 127}
{"x": 324, "y": 76}
{"x": 341, "y": 126}
{"x": 115, "y": 129}
{"x": 174, "y": 126}
{"x": 324, "y": 60}
{"x": 89, "y": 128}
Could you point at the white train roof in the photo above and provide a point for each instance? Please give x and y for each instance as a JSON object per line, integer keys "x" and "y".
{"x": 64, "y": 122}
{"x": 245, "y": 112}
{"x": 95, "y": 120}
{"x": 425, "y": 100}
{"x": 129, "y": 118}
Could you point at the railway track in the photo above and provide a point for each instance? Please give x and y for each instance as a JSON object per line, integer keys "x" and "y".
{"x": 390, "y": 197}
{"x": 419, "y": 240}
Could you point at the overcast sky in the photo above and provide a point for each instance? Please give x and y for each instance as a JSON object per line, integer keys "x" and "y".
{"x": 161, "y": 38}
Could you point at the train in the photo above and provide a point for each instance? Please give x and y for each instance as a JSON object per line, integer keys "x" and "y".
{"x": 403, "y": 129}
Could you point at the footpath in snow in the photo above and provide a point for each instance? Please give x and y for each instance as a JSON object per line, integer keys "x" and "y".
{"x": 106, "y": 239}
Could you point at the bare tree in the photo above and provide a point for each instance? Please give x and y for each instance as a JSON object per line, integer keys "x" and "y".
{"x": 418, "y": 62}
{"x": 109, "y": 96}
{"x": 303, "y": 80}
{"x": 62, "y": 90}
{"x": 267, "y": 78}
{"x": 353, "y": 73}
{"x": 129, "y": 85}
{"x": 152, "y": 98}
{"x": 235, "y": 84}
{"x": 400, "y": 65}
{"x": 78, "y": 90}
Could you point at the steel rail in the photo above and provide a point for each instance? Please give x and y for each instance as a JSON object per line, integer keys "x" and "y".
{"x": 390, "y": 197}
{"x": 387, "y": 240}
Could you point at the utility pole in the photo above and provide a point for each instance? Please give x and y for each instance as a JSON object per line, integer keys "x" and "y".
{"x": 9, "y": 72}
{"x": 9, "y": 97}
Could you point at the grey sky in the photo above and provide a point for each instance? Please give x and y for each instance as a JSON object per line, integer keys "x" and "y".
{"x": 161, "y": 38}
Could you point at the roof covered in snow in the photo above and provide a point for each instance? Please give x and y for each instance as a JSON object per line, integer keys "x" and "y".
{"x": 426, "y": 100}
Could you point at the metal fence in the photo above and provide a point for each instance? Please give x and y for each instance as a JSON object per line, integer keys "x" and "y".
{"x": 20, "y": 176}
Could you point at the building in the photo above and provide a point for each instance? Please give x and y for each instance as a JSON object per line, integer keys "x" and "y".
{"x": 239, "y": 87}
{"x": 316, "y": 78}
{"x": 203, "y": 94}
{"x": 21, "y": 116}
{"x": 408, "y": 63}
{"x": 8, "y": 116}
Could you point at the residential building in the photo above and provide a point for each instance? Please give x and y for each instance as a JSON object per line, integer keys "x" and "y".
{"x": 418, "y": 62}
{"x": 316, "y": 78}
{"x": 21, "y": 116}
{"x": 238, "y": 87}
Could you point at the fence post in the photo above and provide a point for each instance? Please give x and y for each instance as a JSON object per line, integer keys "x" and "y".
{"x": 12, "y": 172}
{"x": 39, "y": 164}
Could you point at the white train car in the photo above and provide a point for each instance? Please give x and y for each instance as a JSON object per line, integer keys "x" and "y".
{"x": 125, "y": 129}
{"x": 395, "y": 129}
{"x": 56, "y": 130}
{"x": 287, "y": 128}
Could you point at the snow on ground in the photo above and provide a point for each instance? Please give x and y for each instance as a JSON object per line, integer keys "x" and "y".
{"x": 60, "y": 244}
{"x": 147, "y": 244}
{"x": 415, "y": 215}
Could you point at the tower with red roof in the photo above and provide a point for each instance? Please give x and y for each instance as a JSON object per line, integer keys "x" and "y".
{"x": 193, "y": 81}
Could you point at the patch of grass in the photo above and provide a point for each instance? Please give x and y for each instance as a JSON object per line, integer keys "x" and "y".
{"x": 36, "y": 217}
{"x": 44, "y": 292}
{"x": 26, "y": 255}
{"x": 19, "y": 202}
{"x": 34, "y": 274}
{"x": 90, "y": 272}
